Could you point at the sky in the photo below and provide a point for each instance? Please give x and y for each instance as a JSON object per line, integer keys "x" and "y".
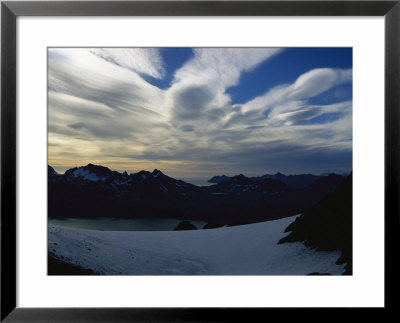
{"x": 199, "y": 112}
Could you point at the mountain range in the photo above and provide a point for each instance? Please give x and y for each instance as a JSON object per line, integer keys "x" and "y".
{"x": 293, "y": 181}
{"x": 96, "y": 191}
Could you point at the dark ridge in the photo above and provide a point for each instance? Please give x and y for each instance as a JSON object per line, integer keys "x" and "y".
{"x": 185, "y": 225}
{"x": 327, "y": 183}
{"x": 157, "y": 172}
{"x": 211, "y": 225}
{"x": 156, "y": 195}
{"x": 56, "y": 267}
{"x": 293, "y": 181}
{"x": 270, "y": 184}
{"x": 234, "y": 224}
{"x": 51, "y": 170}
{"x": 328, "y": 224}
{"x": 95, "y": 169}
{"x": 241, "y": 179}
{"x": 144, "y": 173}
{"x": 99, "y": 170}
{"x": 238, "y": 179}
{"x": 218, "y": 179}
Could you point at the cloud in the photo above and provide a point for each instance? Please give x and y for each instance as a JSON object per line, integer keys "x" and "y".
{"x": 287, "y": 104}
{"x": 310, "y": 84}
{"x": 222, "y": 66}
{"x": 146, "y": 61}
{"x": 303, "y": 114}
{"x": 318, "y": 81}
{"x": 189, "y": 102}
{"x": 77, "y": 125}
{"x": 80, "y": 74}
{"x": 102, "y": 110}
{"x": 200, "y": 85}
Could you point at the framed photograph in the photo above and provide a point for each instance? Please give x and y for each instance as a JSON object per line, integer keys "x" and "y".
{"x": 178, "y": 160}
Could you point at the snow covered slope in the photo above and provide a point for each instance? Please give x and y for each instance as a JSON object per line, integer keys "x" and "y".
{"x": 241, "y": 250}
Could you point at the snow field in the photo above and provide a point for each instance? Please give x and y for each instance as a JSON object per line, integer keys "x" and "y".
{"x": 240, "y": 250}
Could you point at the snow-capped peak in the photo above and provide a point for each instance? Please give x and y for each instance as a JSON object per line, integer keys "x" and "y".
{"x": 86, "y": 175}
{"x": 156, "y": 173}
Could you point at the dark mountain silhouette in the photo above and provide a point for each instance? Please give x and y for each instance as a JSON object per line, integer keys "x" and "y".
{"x": 57, "y": 267}
{"x": 96, "y": 191}
{"x": 52, "y": 176}
{"x": 326, "y": 183}
{"x": 242, "y": 185}
{"x": 218, "y": 179}
{"x": 51, "y": 171}
{"x": 328, "y": 224}
{"x": 185, "y": 225}
{"x": 91, "y": 172}
{"x": 212, "y": 226}
{"x": 293, "y": 181}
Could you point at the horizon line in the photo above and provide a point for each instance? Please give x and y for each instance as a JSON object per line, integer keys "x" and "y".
{"x": 241, "y": 173}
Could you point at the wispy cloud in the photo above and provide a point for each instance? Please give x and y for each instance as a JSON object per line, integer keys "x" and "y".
{"x": 101, "y": 109}
{"x": 146, "y": 61}
{"x": 199, "y": 87}
{"x": 288, "y": 97}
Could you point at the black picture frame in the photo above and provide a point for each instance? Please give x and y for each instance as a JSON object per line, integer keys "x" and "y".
{"x": 10, "y": 10}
